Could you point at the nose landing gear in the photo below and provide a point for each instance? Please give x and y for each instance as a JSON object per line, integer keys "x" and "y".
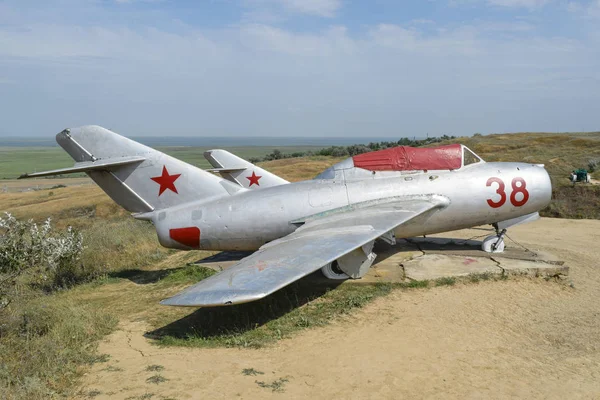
{"x": 495, "y": 243}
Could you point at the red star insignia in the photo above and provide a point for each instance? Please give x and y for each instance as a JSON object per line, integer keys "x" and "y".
{"x": 166, "y": 181}
{"x": 254, "y": 179}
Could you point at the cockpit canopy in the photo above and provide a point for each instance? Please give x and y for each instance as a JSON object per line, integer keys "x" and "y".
{"x": 404, "y": 158}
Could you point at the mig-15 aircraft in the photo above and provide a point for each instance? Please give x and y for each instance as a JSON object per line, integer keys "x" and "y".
{"x": 330, "y": 222}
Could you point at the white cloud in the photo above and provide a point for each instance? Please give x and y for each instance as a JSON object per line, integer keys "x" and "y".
{"x": 323, "y": 8}
{"x": 587, "y": 11}
{"x": 137, "y": 1}
{"x": 320, "y": 8}
{"x": 593, "y": 9}
{"x": 267, "y": 38}
{"x": 519, "y": 3}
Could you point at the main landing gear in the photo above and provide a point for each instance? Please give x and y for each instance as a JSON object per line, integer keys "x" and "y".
{"x": 352, "y": 265}
{"x": 495, "y": 243}
{"x": 333, "y": 271}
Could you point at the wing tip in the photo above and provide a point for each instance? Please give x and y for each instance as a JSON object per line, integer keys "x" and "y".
{"x": 214, "y": 300}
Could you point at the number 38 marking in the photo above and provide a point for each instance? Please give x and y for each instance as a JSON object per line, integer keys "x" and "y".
{"x": 518, "y": 186}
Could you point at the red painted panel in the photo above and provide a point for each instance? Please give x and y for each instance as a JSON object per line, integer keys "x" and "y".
{"x": 404, "y": 158}
{"x": 187, "y": 236}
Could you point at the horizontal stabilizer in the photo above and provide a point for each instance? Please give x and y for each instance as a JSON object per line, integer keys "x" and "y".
{"x": 226, "y": 170}
{"x": 87, "y": 166}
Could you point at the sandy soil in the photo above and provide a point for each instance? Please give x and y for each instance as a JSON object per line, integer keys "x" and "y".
{"x": 521, "y": 338}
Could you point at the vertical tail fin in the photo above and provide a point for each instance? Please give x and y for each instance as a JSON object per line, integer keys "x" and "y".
{"x": 155, "y": 181}
{"x": 240, "y": 171}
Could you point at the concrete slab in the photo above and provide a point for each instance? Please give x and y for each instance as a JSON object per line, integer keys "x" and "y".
{"x": 435, "y": 266}
{"x": 434, "y": 258}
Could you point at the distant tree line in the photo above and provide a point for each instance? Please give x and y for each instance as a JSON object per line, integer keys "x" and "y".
{"x": 352, "y": 150}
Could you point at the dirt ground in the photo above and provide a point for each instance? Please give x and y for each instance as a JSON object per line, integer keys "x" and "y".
{"x": 520, "y": 338}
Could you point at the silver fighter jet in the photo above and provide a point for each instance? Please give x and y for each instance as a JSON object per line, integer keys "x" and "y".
{"x": 328, "y": 223}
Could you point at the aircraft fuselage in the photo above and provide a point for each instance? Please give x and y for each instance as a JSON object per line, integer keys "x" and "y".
{"x": 478, "y": 194}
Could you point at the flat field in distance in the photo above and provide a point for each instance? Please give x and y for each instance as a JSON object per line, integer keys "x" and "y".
{"x": 15, "y": 161}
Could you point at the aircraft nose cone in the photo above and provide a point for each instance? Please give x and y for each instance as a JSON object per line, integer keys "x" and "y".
{"x": 544, "y": 185}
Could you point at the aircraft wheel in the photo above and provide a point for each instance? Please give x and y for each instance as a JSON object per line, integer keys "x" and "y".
{"x": 333, "y": 271}
{"x": 489, "y": 242}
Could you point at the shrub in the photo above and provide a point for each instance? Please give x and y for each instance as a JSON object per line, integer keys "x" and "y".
{"x": 47, "y": 258}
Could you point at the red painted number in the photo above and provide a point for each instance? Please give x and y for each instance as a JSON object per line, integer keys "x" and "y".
{"x": 500, "y": 191}
{"x": 518, "y": 186}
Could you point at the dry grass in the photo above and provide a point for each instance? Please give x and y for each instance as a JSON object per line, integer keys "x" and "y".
{"x": 51, "y": 337}
{"x": 46, "y": 339}
{"x": 78, "y": 206}
{"x": 298, "y": 169}
{"x": 45, "y": 343}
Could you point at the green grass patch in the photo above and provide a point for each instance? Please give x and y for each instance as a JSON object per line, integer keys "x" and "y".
{"x": 190, "y": 273}
{"x": 486, "y": 276}
{"x": 445, "y": 281}
{"x": 416, "y": 284}
{"x": 276, "y": 386}
{"x": 251, "y": 372}
{"x": 156, "y": 379}
{"x": 155, "y": 368}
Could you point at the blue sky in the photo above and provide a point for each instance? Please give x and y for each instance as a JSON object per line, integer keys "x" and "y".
{"x": 299, "y": 67}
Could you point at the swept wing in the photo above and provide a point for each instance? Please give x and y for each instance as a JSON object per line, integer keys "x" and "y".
{"x": 320, "y": 240}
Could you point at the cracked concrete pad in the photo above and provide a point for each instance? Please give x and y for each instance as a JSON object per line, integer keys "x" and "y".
{"x": 532, "y": 268}
{"x": 435, "y": 257}
{"x": 435, "y": 266}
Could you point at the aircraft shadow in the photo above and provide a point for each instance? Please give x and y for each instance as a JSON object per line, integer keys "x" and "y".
{"x": 143, "y": 277}
{"x": 224, "y": 256}
{"x": 211, "y": 322}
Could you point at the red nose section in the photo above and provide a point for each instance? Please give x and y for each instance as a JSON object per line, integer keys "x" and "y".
{"x": 187, "y": 236}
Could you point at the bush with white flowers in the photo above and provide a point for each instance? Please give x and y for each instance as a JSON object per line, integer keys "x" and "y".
{"x": 50, "y": 257}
